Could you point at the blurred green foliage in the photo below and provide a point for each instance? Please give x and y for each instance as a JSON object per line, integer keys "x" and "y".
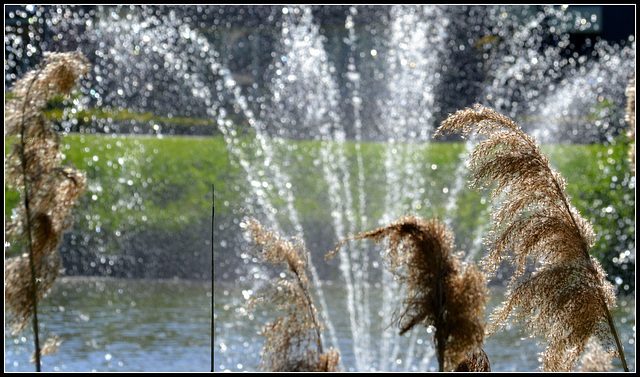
{"x": 165, "y": 183}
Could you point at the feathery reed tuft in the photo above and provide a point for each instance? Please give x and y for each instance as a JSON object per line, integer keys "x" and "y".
{"x": 441, "y": 291}
{"x": 567, "y": 299}
{"x": 48, "y": 191}
{"x": 595, "y": 359}
{"x": 294, "y": 340}
{"x": 50, "y": 347}
{"x": 477, "y": 361}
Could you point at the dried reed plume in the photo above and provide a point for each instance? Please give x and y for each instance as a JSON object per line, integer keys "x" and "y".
{"x": 47, "y": 190}
{"x": 567, "y": 299}
{"x": 595, "y": 359}
{"x": 294, "y": 340}
{"x": 477, "y": 361}
{"x": 441, "y": 291}
{"x": 50, "y": 348}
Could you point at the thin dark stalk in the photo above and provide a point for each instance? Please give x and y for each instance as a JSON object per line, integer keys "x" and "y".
{"x": 213, "y": 215}
{"x": 439, "y": 305}
{"x": 309, "y": 304}
{"x": 440, "y": 324}
{"x": 32, "y": 267}
{"x": 612, "y": 326}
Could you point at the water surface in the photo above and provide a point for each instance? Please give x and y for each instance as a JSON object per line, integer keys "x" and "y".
{"x": 238, "y": 346}
{"x": 117, "y": 325}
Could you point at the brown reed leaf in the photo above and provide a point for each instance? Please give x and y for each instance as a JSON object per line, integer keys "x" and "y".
{"x": 567, "y": 299}
{"x": 294, "y": 340}
{"x": 441, "y": 290}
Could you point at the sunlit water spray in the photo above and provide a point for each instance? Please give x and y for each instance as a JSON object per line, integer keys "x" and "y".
{"x": 389, "y": 80}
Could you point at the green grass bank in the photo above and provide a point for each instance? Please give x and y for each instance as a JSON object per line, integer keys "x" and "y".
{"x": 149, "y": 199}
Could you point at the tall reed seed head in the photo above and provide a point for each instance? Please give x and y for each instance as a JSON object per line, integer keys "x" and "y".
{"x": 48, "y": 190}
{"x": 567, "y": 299}
{"x": 441, "y": 291}
{"x": 294, "y": 340}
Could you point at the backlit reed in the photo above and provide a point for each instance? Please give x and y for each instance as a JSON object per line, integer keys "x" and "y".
{"x": 566, "y": 299}
{"x": 294, "y": 341}
{"x": 47, "y": 190}
{"x": 441, "y": 291}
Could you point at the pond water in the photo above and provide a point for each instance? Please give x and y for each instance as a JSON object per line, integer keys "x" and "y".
{"x": 116, "y": 325}
{"x": 238, "y": 346}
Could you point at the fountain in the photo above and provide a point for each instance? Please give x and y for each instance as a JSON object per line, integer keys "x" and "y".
{"x": 304, "y": 102}
{"x": 327, "y": 115}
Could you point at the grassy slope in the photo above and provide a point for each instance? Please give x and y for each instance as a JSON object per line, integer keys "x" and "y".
{"x": 169, "y": 180}
{"x": 166, "y": 183}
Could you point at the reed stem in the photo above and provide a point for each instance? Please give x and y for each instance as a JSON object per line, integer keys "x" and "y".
{"x": 213, "y": 214}
{"x": 612, "y": 326}
{"x": 32, "y": 267}
{"x": 312, "y": 314}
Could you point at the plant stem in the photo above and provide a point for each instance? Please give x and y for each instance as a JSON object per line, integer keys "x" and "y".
{"x": 612, "y": 326}
{"x": 440, "y": 335}
{"x": 213, "y": 214}
{"x": 34, "y": 287}
{"x": 34, "y": 290}
{"x": 311, "y": 312}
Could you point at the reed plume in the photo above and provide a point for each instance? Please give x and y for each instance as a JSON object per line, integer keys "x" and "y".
{"x": 47, "y": 190}
{"x": 441, "y": 291}
{"x": 477, "y": 361}
{"x": 294, "y": 341}
{"x": 595, "y": 359}
{"x": 567, "y": 298}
